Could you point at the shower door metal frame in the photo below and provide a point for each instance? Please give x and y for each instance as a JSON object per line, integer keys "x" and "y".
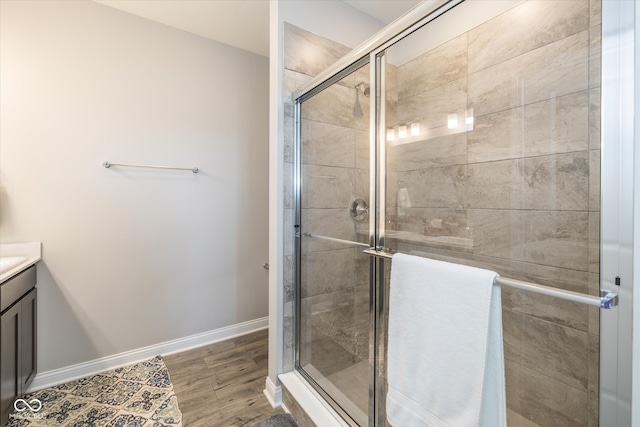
{"x": 615, "y": 333}
{"x": 298, "y": 100}
{"x": 371, "y": 52}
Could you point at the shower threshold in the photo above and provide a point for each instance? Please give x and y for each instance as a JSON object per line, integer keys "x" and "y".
{"x": 313, "y": 406}
{"x": 345, "y": 390}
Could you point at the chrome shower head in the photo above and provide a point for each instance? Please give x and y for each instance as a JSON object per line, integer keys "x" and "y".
{"x": 366, "y": 90}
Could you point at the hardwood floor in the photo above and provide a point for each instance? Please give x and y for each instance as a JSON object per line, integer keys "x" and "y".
{"x": 221, "y": 384}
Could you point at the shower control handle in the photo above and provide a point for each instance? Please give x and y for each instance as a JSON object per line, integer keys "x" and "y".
{"x": 359, "y": 209}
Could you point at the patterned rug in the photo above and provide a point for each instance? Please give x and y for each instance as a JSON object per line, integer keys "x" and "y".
{"x": 133, "y": 396}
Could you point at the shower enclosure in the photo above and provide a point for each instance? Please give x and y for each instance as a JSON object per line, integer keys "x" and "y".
{"x": 470, "y": 134}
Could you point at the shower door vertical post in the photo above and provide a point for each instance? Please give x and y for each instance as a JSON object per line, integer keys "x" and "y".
{"x": 373, "y": 214}
{"x": 376, "y": 278}
{"x": 297, "y": 189}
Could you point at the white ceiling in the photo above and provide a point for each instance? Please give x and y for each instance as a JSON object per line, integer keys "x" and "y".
{"x": 240, "y": 23}
{"x": 384, "y": 11}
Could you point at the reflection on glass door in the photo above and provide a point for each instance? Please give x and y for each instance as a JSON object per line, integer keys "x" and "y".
{"x": 333, "y": 330}
{"x": 492, "y": 145}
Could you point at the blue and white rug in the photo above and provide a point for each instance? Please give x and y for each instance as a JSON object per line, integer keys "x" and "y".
{"x": 134, "y": 396}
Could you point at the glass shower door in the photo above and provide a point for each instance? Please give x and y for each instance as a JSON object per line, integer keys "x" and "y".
{"x": 492, "y": 144}
{"x": 333, "y": 228}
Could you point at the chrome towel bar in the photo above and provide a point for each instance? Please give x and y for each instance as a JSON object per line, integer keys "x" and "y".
{"x": 333, "y": 239}
{"x": 605, "y": 300}
{"x": 106, "y": 164}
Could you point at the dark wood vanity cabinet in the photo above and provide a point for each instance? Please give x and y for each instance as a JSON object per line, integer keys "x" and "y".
{"x": 17, "y": 338}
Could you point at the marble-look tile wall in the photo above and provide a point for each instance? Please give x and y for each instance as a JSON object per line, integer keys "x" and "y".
{"x": 335, "y": 162}
{"x": 519, "y": 193}
{"x": 534, "y": 86}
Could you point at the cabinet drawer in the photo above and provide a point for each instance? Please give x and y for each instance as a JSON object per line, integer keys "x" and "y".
{"x": 13, "y": 289}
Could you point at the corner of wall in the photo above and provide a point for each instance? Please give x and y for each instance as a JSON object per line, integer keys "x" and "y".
{"x": 276, "y": 197}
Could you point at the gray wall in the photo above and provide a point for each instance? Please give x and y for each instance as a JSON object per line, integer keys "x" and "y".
{"x": 131, "y": 258}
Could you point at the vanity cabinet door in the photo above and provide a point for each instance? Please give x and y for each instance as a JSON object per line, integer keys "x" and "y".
{"x": 10, "y": 341}
{"x": 28, "y": 334}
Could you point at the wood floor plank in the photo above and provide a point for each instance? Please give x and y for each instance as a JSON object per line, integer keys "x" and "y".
{"x": 248, "y": 350}
{"x": 255, "y": 385}
{"x": 221, "y": 384}
{"x": 205, "y": 417}
{"x": 255, "y": 337}
{"x": 240, "y": 375}
{"x": 199, "y": 353}
{"x": 242, "y": 409}
{"x": 239, "y": 362}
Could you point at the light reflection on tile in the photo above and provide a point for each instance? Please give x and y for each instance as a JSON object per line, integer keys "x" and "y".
{"x": 524, "y": 28}
{"x": 439, "y": 66}
{"x": 551, "y": 126}
{"x": 547, "y": 182}
{"x": 558, "y": 69}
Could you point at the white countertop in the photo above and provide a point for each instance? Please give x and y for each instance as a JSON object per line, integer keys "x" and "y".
{"x": 31, "y": 251}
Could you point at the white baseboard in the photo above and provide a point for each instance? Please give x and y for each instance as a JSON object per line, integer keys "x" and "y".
{"x": 273, "y": 393}
{"x": 92, "y": 367}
